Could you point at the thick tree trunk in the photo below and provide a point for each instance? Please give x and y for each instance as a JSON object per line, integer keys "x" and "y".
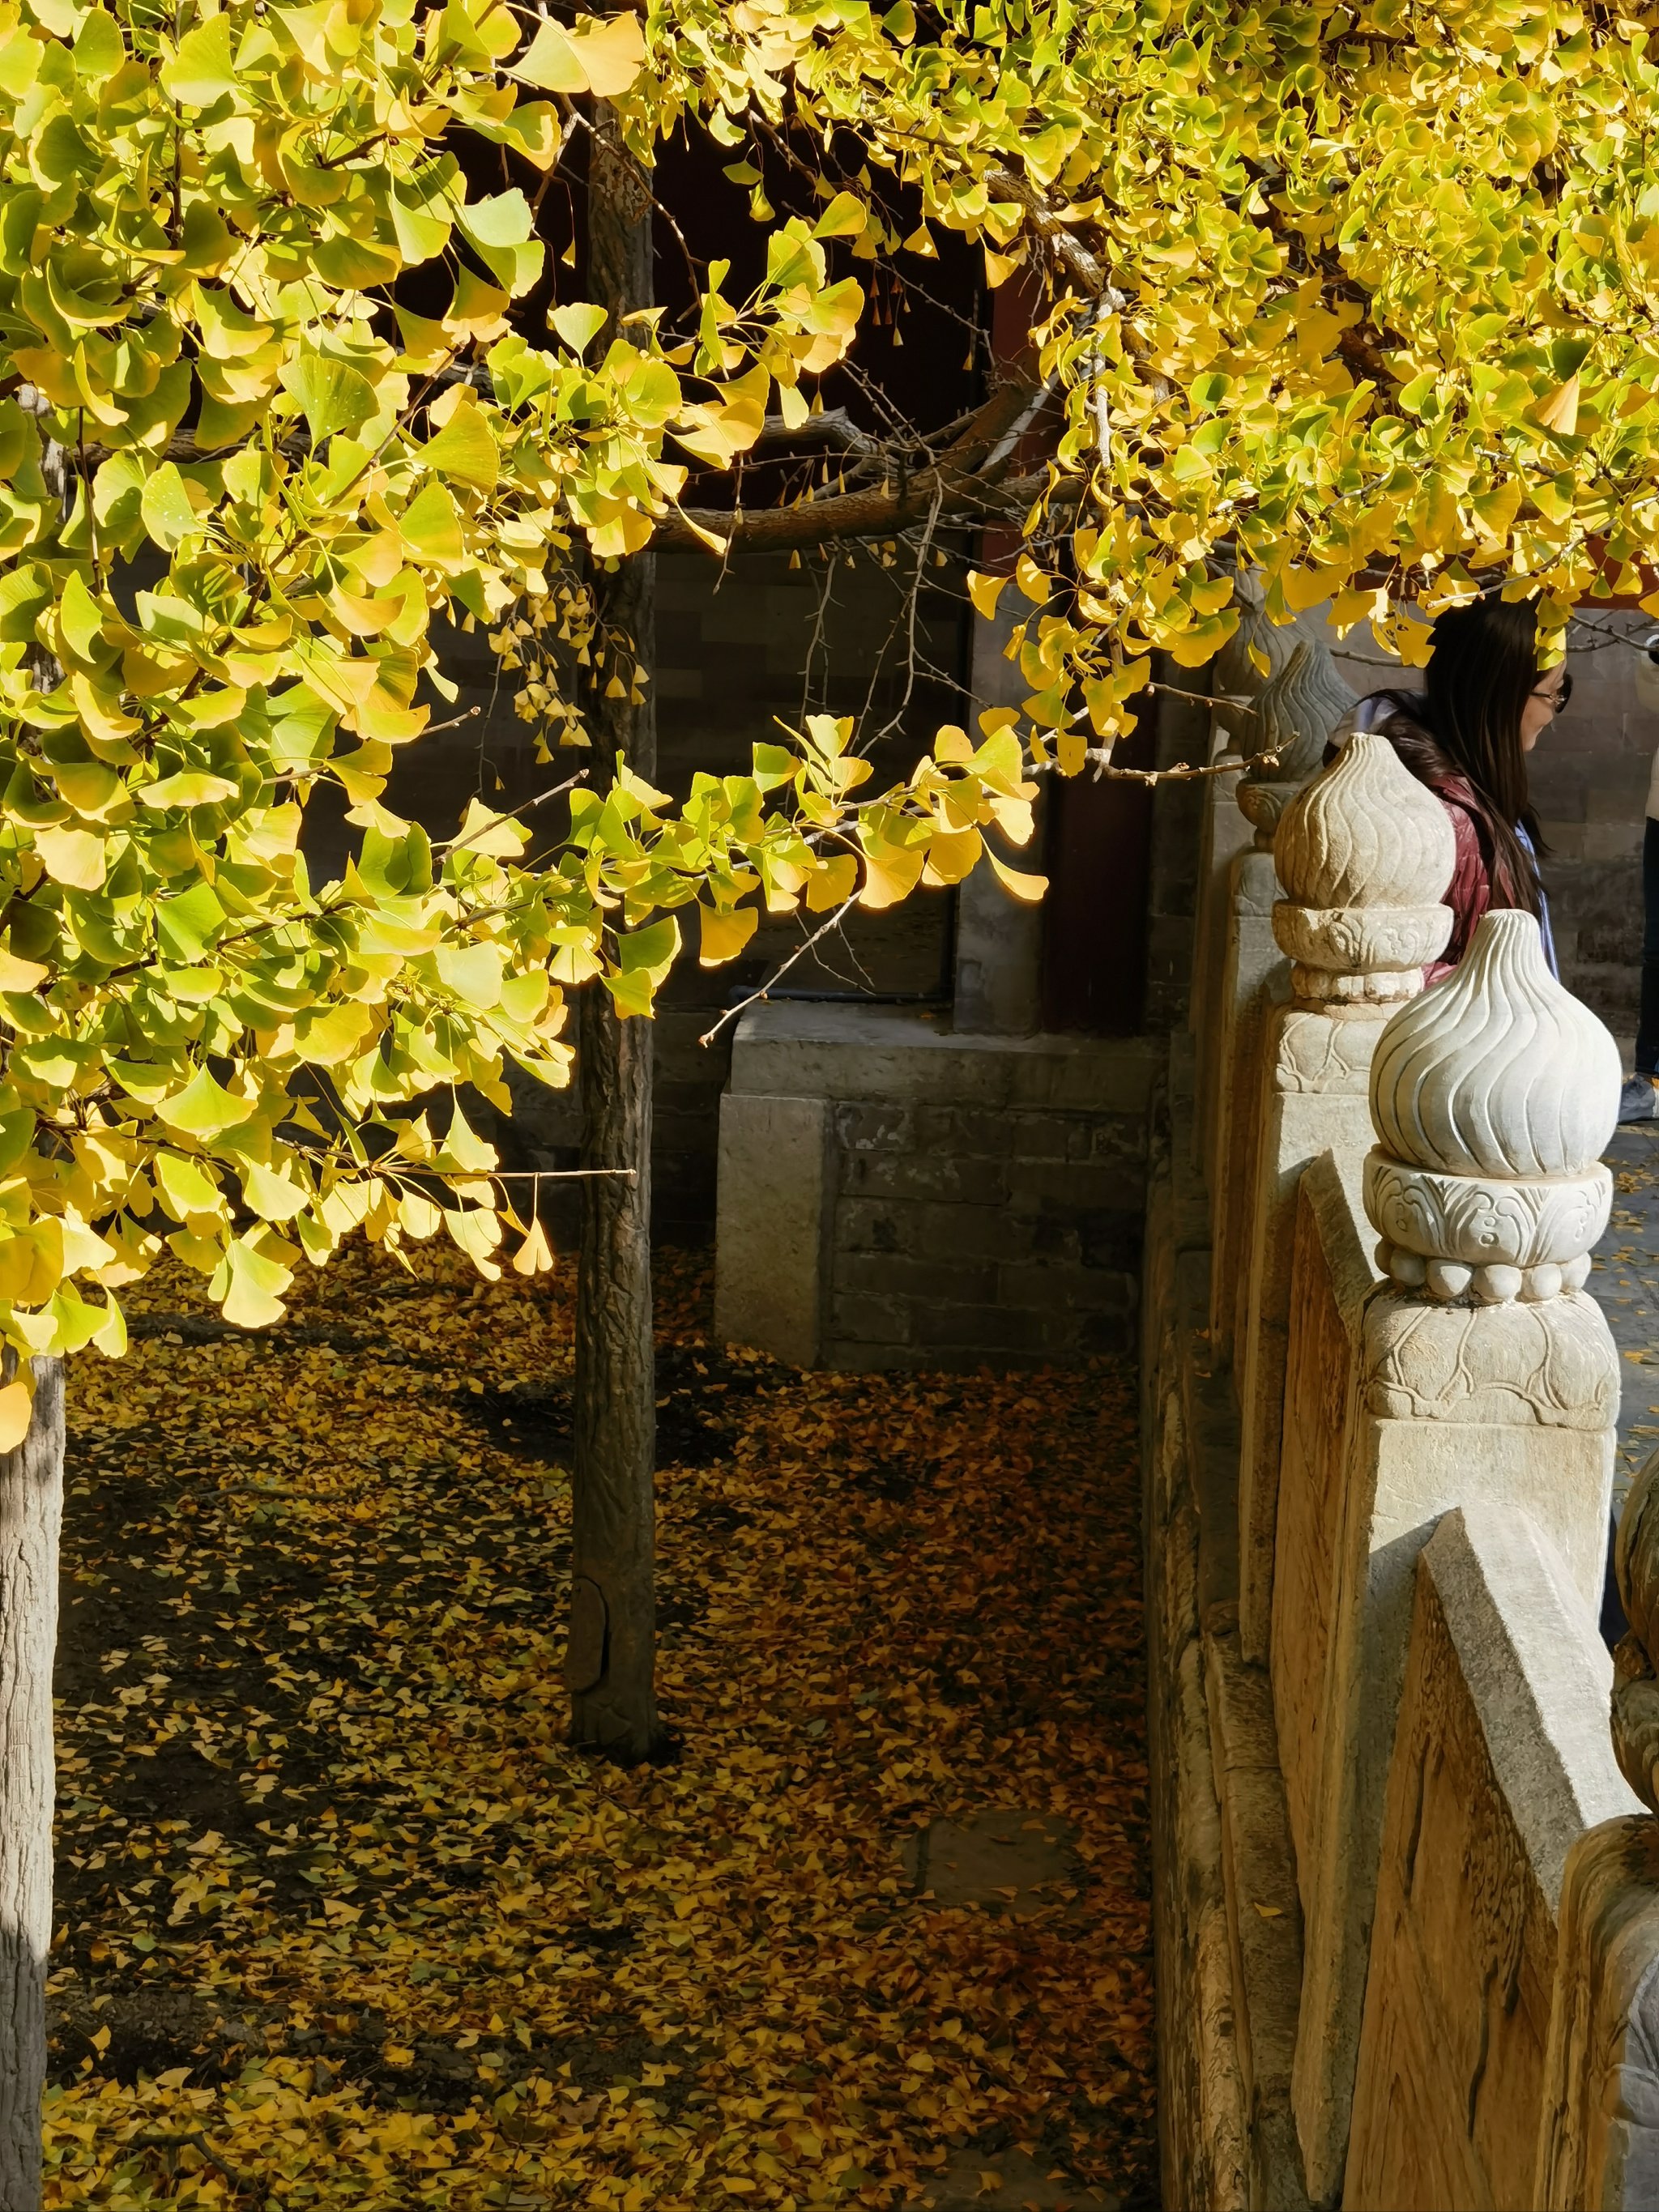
{"x": 610, "y": 1666}
{"x": 31, "y": 1512}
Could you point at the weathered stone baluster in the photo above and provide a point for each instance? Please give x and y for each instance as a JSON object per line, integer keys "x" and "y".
{"x": 1236, "y": 684}
{"x": 1485, "y": 1376}
{"x": 1494, "y": 1101}
{"x": 1365, "y": 852}
{"x": 1236, "y": 680}
{"x": 1293, "y": 717}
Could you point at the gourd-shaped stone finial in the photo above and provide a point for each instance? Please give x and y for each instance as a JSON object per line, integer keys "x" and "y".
{"x": 1493, "y": 1096}
{"x": 1237, "y": 676}
{"x": 1365, "y": 852}
{"x": 1291, "y": 718}
{"x": 1635, "y": 1691}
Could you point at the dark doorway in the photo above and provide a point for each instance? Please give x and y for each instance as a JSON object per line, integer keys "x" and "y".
{"x": 1099, "y": 859}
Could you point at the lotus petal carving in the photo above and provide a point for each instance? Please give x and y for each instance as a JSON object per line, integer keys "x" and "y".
{"x": 1487, "y": 1220}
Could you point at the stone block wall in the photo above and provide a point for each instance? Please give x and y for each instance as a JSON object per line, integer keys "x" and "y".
{"x": 981, "y": 1197}
{"x": 1590, "y": 782}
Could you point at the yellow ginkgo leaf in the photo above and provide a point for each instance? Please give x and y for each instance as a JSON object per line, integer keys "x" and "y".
{"x": 16, "y": 1407}
{"x": 1028, "y": 888}
{"x": 722, "y": 936}
{"x": 1559, "y": 412}
{"x": 535, "y": 1256}
{"x": 74, "y": 857}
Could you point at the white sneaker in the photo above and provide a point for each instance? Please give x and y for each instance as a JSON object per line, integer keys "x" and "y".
{"x": 1639, "y": 1101}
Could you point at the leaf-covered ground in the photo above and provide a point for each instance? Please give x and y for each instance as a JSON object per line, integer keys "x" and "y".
{"x": 343, "y": 1922}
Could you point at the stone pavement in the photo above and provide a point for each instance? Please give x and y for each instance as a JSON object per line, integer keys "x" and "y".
{"x": 999, "y": 1861}
{"x": 1625, "y": 1278}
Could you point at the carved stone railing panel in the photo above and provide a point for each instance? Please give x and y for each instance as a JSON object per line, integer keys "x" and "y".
{"x": 1362, "y": 853}
{"x": 1331, "y": 1279}
{"x": 1475, "y": 1387}
{"x": 1599, "y": 2142}
{"x": 1497, "y": 1769}
{"x": 1599, "y": 2102}
{"x": 1636, "y": 1692}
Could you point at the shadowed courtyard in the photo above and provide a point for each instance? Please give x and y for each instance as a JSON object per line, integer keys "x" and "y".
{"x": 343, "y": 1921}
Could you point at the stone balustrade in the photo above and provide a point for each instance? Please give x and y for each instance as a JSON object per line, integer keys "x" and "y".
{"x": 1380, "y": 1418}
{"x": 1253, "y": 656}
{"x": 1478, "y": 1383}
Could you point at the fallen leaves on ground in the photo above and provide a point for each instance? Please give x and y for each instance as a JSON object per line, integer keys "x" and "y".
{"x": 344, "y": 1922}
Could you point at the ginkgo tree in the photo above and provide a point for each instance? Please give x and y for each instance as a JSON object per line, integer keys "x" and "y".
{"x": 239, "y": 481}
{"x": 1361, "y": 295}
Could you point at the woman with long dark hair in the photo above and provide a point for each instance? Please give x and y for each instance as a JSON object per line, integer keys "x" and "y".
{"x": 1484, "y": 704}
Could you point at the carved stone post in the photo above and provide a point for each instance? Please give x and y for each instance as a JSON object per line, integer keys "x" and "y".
{"x": 1236, "y": 680}
{"x": 1485, "y": 1375}
{"x": 1365, "y": 854}
{"x": 1293, "y": 718}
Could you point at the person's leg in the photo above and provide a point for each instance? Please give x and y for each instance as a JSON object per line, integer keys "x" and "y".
{"x": 1647, "y": 1033}
{"x": 1639, "y": 1101}
{"x": 1614, "y": 1623}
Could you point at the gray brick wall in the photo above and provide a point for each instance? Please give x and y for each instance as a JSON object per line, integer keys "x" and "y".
{"x": 983, "y": 1196}
{"x": 963, "y": 1234}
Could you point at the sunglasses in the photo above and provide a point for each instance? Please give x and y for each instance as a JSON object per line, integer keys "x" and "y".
{"x": 1556, "y": 699}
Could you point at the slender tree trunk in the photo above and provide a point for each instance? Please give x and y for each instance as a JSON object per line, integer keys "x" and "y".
{"x": 31, "y": 1512}
{"x": 31, "y": 1517}
{"x": 610, "y": 1666}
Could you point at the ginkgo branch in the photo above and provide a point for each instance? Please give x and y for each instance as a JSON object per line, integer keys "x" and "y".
{"x": 799, "y": 954}
{"x": 959, "y": 480}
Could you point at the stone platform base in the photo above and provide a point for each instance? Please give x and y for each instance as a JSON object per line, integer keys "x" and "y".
{"x": 1227, "y": 1918}
{"x": 895, "y": 1195}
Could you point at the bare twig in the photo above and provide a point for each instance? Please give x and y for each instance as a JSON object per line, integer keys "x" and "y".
{"x": 455, "y": 844}
{"x": 521, "y": 1174}
{"x": 1099, "y": 758}
{"x": 466, "y": 714}
{"x": 912, "y": 599}
{"x": 799, "y": 954}
{"x": 1201, "y": 698}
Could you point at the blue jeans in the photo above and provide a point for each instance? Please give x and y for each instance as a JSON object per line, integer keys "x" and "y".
{"x": 1647, "y": 1032}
